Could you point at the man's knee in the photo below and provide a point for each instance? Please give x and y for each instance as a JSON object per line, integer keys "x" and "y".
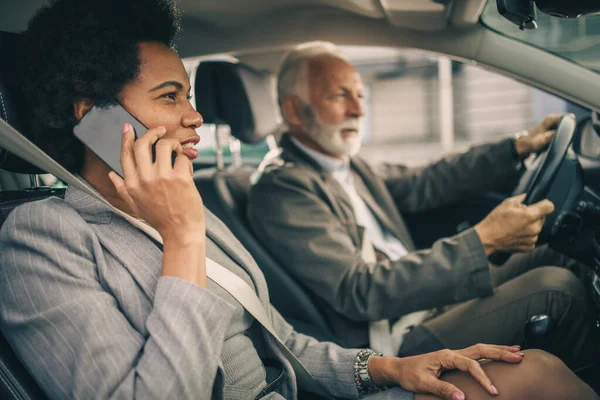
{"x": 554, "y": 279}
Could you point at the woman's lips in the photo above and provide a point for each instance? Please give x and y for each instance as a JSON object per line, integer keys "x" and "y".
{"x": 190, "y": 153}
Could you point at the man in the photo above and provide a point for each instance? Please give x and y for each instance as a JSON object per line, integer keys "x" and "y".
{"x": 335, "y": 222}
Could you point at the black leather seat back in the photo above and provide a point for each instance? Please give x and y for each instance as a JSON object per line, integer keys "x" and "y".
{"x": 13, "y": 107}
{"x": 223, "y": 92}
{"x": 15, "y": 381}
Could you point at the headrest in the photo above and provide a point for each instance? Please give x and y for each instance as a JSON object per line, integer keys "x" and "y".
{"x": 239, "y": 96}
{"x": 13, "y": 107}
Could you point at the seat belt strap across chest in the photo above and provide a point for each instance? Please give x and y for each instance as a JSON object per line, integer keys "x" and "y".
{"x": 241, "y": 291}
{"x": 17, "y": 144}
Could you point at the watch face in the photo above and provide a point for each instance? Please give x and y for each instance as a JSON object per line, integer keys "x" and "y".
{"x": 364, "y": 375}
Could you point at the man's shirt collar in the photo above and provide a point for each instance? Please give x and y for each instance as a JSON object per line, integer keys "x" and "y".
{"x": 328, "y": 163}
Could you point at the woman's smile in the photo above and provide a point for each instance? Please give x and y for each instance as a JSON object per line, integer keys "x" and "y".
{"x": 188, "y": 147}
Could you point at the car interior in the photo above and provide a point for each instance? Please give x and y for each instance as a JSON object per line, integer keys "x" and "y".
{"x": 237, "y": 92}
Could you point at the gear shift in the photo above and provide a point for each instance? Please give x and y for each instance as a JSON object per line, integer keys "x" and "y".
{"x": 538, "y": 331}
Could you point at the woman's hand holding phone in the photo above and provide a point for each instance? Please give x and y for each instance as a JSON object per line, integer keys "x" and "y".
{"x": 165, "y": 197}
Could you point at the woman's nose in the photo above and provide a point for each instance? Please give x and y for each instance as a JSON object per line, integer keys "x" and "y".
{"x": 193, "y": 119}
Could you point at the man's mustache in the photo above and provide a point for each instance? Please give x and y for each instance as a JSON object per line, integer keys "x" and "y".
{"x": 350, "y": 124}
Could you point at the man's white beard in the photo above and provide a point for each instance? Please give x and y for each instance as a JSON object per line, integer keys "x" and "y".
{"x": 331, "y": 138}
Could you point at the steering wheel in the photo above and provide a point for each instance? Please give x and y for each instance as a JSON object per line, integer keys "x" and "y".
{"x": 538, "y": 179}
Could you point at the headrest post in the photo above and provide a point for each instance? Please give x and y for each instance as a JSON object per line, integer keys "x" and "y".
{"x": 218, "y": 147}
{"x": 34, "y": 182}
{"x": 235, "y": 146}
{"x": 271, "y": 142}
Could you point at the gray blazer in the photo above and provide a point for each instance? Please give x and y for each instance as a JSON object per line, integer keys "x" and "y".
{"x": 84, "y": 306}
{"x": 305, "y": 218}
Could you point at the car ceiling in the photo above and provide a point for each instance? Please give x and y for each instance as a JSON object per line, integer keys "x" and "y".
{"x": 225, "y": 25}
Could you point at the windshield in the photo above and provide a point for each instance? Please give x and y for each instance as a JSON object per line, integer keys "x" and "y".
{"x": 577, "y": 40}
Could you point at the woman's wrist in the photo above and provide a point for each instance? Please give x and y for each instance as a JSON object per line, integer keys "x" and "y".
{"x": 185, "y": 259}
{"x": 184, "y": 237}
{"x": 384, "y": 369}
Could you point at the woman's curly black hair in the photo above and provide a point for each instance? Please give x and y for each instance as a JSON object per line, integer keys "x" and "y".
{"x": 76, "y": 49}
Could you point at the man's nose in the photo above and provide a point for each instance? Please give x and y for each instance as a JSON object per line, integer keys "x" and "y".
{"x": 355, "y": 107}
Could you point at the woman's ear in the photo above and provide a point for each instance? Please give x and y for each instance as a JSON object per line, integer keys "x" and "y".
{"x": 292, "y": 111}
{"x": 81, "y": 106}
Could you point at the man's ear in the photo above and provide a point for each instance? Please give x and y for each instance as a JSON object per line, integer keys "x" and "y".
{"x": 81, "y": 106}
{"x": 292, "y": 111}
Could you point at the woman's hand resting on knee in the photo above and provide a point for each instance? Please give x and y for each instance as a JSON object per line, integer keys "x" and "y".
{"x": 420, "y": 374}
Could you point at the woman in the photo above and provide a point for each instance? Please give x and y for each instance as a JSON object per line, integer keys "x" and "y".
{"x": 97, "y": 309}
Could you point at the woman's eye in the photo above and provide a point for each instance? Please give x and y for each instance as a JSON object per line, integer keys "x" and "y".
{"x": 189, "y": 97}
{"x": 172, "y": 96}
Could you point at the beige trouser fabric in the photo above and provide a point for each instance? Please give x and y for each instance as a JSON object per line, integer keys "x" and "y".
{"x": 524, "y": 287}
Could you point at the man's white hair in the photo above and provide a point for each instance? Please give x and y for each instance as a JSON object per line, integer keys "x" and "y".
{"x": 293, "y": 73}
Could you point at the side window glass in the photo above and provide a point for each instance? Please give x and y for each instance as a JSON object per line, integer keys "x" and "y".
{"x": 420, "y": 107}
{"x": 207, "y": 148}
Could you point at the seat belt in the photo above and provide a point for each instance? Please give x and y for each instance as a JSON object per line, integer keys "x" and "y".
{"x": 241, "y": 291}
{"x": 17, "y": 144}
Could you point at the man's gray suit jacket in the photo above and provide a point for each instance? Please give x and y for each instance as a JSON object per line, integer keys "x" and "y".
{"x": 85, "y": 307}
{"x": 306, "y": 219}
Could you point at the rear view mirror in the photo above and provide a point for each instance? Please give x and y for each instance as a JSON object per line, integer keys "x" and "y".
{"x": 519, "y": 12}
{"x": 587, "y": 139}
{"x": 522, "y": 12}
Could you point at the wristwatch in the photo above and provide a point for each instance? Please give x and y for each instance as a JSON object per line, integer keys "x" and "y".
{"x": 520, "y": 161}
{"x": 364, "y": 383}
{"x": 514, "y": 146}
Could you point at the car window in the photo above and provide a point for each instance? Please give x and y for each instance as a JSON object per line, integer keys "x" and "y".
{"x": 420, "y": 107}
{"x": 251, "y": 154}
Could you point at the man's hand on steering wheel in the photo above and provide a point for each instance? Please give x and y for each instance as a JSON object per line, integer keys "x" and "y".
{"x": 512, "y": 226}
{"x": 539, "y": 137}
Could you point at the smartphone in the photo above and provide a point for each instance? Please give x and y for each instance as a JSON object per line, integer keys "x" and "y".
{"x": 101, "y": 129}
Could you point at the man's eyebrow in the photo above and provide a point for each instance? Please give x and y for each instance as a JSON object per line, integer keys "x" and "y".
{"x": 178, "y": 85}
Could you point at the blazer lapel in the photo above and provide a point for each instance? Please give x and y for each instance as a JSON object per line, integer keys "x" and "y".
{"x": 142, "y": 257}
{"x": 337, "y": 196}
{"x": 369, "y": 188}
{"x": 136, "y": 251}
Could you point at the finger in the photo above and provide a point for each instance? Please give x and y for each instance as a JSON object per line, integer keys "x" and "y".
{"x": 551, "y": 120}
{"x": 527, "y": 248}
{"x": 510, "y": 354}
{"x": 164, "y": 149}
{"x": 540, "y": 209}
{"x": 518, "y": 199}
{"x": 513, "y": 349}
{"x": 127, "y": 159}
{"x": 183, "y": 165}
{"x": 475, "y": 350}
{"x": 443, "y": 389}
{"x": 471, "y": 366}
{"x": 544, "y": 139}
{"x": 121, "y": 189}
{"x": 532, "y": 229}
{"x": 142, "y": 149}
